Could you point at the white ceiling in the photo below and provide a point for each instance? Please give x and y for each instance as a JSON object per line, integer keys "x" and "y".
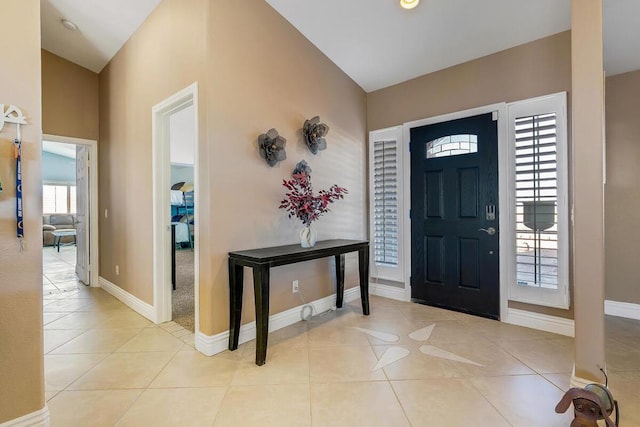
{"x": 59, "y": 148}
{"x": 103, "y": 28}
{"x": 378, "y": 44}
{"x": 621, "y": 34}
{"x": 374, "y": 41}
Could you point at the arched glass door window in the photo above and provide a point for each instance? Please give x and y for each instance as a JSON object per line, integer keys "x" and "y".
{"x": 452, "y": 145}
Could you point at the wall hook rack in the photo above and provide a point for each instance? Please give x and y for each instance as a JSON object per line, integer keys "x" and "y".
{"x": 12, "y": 114}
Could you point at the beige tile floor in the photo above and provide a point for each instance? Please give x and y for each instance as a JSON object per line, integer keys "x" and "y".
{"x": 58, "y": 269}
{"x": 105, "y": 365}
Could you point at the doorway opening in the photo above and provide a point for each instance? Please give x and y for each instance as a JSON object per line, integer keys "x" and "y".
{"x": 175, "y": 212}
{"x": 69, "y": 214}
{"x": 182, "y": 160}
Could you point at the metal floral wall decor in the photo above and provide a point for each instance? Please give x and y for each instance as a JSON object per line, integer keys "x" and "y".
{"x": 302, "y": 167}
{"x": 271, "y": 146}
{"x": 314, "y": 133}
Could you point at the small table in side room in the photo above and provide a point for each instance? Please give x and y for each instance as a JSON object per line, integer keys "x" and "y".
{"x": 58, "y": 234}
{"x": 261, "y": 261}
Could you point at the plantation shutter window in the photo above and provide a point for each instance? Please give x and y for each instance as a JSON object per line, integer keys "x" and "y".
{"x": 385, "y": 193}
{"x": 536, "y": 201}
{"x": 540, "y": 212}
{"x": 385, "y": 184}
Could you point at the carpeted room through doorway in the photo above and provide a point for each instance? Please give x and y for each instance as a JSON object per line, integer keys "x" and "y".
{"x": 183, "y": 305}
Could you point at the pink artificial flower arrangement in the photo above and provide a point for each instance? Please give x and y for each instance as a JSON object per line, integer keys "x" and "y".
{"x": 300, "y": 201}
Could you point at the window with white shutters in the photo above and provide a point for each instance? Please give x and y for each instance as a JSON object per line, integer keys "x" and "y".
{"x": 386, "y": 203}
{"x": 536, "y": 201}
{"x": 540, "y": 210}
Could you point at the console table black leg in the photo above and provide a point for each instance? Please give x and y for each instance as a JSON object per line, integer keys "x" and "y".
{"x": 236, "y": 276}
{"x": 261, "y": 294}
{"x": 339, "y": 280}
{"x": 363, "y": 267}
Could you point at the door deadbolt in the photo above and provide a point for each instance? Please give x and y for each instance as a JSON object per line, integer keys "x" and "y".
{"x": 490, "y": 212}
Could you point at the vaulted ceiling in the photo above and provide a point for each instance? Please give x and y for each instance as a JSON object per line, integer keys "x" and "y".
{"x": 104, "y": 26}
{"x": 376, "y": 42}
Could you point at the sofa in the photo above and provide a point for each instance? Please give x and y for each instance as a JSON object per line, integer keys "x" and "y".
{"x": 53, "y": 222}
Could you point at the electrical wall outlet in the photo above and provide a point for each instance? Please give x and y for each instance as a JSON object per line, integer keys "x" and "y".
{"x": 294, "y": 286}
{"x": 117, "y": 270}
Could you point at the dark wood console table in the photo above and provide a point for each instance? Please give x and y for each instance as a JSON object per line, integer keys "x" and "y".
{"x": 261, "y": 260}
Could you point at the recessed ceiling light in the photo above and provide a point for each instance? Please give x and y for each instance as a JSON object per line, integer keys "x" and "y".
{"x": 69, "y": 25}
{"x": 409, "y": 4}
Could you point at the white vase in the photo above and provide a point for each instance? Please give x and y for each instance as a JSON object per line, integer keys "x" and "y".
{"x": 308, "y": 237}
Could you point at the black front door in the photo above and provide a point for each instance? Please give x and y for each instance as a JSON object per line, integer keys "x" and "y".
{"x": 454, "y": 215}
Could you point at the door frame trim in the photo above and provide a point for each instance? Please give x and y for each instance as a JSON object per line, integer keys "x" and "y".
{"x": 94, "y": 246}
{"x": 161, "y": 201}
{"x": 504, "y": 194}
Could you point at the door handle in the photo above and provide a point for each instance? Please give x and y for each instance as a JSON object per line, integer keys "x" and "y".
{"x": 490, "y": 231}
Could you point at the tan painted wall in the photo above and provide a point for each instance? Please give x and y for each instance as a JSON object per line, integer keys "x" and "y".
{"x": 533, "y": 69}
{"x": 252, "y": 83}
{"x": 268, "y": 75}
{"x": 21, "y": 348}
{"x": 587, "y": 84}
{"x": 164, "y": 56}
{"x": 622, "y": 191}
{"x": 69, "y": 98}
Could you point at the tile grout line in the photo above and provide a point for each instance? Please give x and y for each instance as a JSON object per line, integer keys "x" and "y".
{"x": 519, "y": 360}
{"x": 226, "y": 392}
{"x": 488, "y": 401}
{"x": 130, "y": 405}
{"x": 404, "y": 410}
{"x": 393, "y": 390}
{"x": 148, "y": 384}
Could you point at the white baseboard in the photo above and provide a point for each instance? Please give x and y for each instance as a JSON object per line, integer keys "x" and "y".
{"x": 210, "y": 345}
{"x": 387, "y": 291}
{"x": 581, "y": 382}
{"x": 542, "y": 322}
{"x": 38, "y": 418}
{"x": 622, "y": 309}
{"x": 135, "y": 303}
